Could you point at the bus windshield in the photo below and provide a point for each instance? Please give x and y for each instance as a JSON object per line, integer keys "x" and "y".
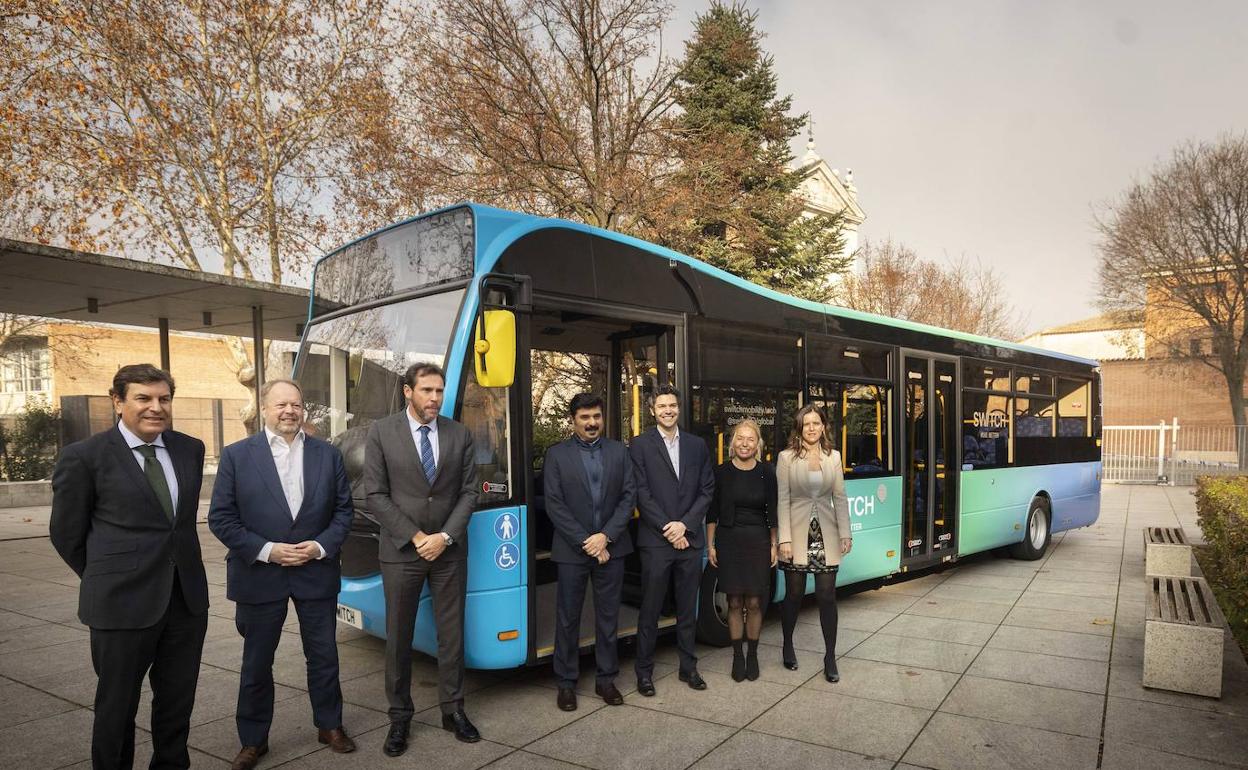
{"x": 351, "y": 367}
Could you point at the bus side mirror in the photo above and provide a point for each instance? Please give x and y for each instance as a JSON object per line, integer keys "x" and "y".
{"x": 494, "y": 350}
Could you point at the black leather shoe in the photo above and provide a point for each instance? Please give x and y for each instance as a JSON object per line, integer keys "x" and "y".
{"x": 789, "y": 657}
{"x": 396, "y": 739}
{"x": 645, "y": 686}
{"x": 566, "y": 699}
{"x": 458, "y": 723}
{"x": 694, "y": 680}
{"x": 609, "y": 693}
{"x": 830, "y": 673}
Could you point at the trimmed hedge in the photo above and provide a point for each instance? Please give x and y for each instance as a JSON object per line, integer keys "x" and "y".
{"x": 1222, "y": 512}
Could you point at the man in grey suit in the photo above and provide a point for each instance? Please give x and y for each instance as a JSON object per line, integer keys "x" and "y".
{"x": 421, "y": 483}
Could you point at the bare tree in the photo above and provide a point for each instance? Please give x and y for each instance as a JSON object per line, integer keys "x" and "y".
{"x": 892, "y": 280}
{"x": 1174, "y": 249}
{"x": 172, "y": 131}
{"x": 551, "y": 106}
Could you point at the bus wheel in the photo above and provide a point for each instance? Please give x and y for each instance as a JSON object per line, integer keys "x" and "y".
{"x": 712, "y": 610}
{"x": 1035, "y": 534}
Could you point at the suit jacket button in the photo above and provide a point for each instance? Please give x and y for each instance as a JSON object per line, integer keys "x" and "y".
{"x": 431, "y": 499}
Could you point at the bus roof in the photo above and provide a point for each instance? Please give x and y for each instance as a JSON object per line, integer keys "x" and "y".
{"x": 497, "y": 228}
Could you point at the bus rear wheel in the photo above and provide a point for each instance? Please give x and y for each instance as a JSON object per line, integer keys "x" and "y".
{"x": 712, "y": 610}
{"x": 1036, "y": 533}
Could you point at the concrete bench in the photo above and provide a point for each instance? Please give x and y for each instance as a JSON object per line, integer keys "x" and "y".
{"x": 1167, "y": 552}
{"x": 1184, "y": 633}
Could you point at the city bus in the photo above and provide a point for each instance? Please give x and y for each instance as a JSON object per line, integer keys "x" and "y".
{"x": 952, "y": 443}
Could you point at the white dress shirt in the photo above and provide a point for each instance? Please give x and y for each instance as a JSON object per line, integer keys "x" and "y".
{"x": 288, "y": 457}
{"x": 673, "y": 449}
{"x": 162, "y": 456}
{"x": 416, "y": 425}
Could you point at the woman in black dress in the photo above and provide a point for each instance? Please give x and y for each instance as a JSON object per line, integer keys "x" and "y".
{"x": 741, "y": 532}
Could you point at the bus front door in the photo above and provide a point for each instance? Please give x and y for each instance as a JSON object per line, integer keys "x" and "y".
{"x": 930, "y": 460}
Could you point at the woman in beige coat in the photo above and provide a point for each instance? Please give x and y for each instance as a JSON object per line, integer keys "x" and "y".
{"x": 813, "y": 522}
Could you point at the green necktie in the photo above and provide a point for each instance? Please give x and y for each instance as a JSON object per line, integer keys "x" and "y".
{"x": 156, "y": 477}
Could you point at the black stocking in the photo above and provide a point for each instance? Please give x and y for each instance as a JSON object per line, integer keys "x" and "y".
{"x": 736, "y": 623}
{"x": 794, "y": 591}
{"x": 753, "y": 617}
{"x": 825, "y": 593}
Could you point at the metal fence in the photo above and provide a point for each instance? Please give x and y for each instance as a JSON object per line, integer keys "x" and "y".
{"x": 1172, "y": 453}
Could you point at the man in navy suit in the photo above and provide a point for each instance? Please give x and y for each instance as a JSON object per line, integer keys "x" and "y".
{"x": 588, "y": 482}
{"x": 123, "y": 518}
{"x": 675, "y": 483}
{"x": 282, "y": 504}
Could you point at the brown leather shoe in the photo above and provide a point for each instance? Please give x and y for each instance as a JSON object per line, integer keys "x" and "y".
{"x": 249, "y": 756}
{"x": 339, "y": 742}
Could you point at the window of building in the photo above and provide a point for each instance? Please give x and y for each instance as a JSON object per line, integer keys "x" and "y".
{"x": 24, "y": 366}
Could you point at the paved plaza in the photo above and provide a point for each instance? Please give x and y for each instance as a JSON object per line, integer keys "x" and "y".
{"x": 992, "y": 663}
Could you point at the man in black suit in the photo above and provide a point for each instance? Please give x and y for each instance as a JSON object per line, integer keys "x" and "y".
{"x": 421, "y": 481}
{"x": 282, "y": 505}
{"x": 675, "y": 484}
{"x": 589, "y": 500}
{"x": 123, "y": 518}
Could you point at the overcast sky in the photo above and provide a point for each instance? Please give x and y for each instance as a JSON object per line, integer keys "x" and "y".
{"x": 995, "y": 129}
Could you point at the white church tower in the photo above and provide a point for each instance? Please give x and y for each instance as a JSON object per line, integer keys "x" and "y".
{"x": 824, "y": 191}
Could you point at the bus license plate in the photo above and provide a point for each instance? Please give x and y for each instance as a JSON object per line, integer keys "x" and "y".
{"x": 351, "y": 617}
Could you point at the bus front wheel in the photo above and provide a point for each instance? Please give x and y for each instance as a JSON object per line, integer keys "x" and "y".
{"x": 712, "y": 610}
{"x": 1035, "y": 534}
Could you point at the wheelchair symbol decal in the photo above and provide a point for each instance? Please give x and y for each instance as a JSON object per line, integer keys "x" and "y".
{"x": 507, "y": 556}
{"x": 505, "y": 526}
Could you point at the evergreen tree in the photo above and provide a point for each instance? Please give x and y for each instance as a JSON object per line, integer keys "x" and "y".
{"x": 734, "y": 202}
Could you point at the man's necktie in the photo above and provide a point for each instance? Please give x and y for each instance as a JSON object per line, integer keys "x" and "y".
{"x": 156, "y": 477}
{"x": 426, "y": 454}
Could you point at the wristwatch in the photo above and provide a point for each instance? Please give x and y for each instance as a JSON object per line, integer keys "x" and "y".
{"x": 449, "y": 540}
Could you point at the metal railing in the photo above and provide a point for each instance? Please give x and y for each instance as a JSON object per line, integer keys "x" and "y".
{"x": 1168, "y": 453}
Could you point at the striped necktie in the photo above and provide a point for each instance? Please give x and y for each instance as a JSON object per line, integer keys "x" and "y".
{"x": 426, "y": 454}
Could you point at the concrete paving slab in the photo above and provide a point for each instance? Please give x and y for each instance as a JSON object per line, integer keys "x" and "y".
{"x": 989, "y": 580}
{"x": 924, "y": 653}
{"x": 967, "y": 593}
{"x": 1061, "y": 620}
{"x": 1201, "y": 734}
{"x": 923, "y": 688}
{"x": 1044, "y": 670}
{"x": 612, "y": 738}
{"x": 523, "y": 760}
{"x": 1046, "y": 601}
{"x": 143, "y": 757}
{"x": 53, "y": 741}
{"x": 724, "y": 701}
{"x": 26, "y": 665}
{"x": 1128, "y": 756}
{"x": 20, "y": 704}
{"x": 14, "y": 620}
{"x": 956, "y": 609}
{"x": 1057, "y": 585}
{"x": 951, "y": 742}
{"x": 216, "y": 696}
{"x": 1061, "y": 643}
{"x": 868, "y": 727}
{"x": 749, "y": 749}
{"x": 915, "y": 586}
{"x": 940, "y": 629}
{"x": 35, "y": 637}
{"x": 850, "y": 615}
{"x": 516, "y": 715}
{"x": 878, "y": 601}
{"x": 1029, "y": 705}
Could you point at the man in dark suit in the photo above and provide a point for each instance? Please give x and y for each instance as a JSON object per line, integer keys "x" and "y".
{"x": 589, "y": 500}
{"x": 421, "y": 481}
{"x": 123, "y": 518}
{"x": 675, "y": 484}
{"x": 282, "y": 505}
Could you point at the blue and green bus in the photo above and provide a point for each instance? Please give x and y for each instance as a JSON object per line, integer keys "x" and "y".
{"x": 953, "y": 443}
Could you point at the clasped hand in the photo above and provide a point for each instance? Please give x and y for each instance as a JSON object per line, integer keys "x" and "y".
{"x": 675, "y": 531}
{"x": 293, "y": 555}
{"x": 430, "y": 547}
